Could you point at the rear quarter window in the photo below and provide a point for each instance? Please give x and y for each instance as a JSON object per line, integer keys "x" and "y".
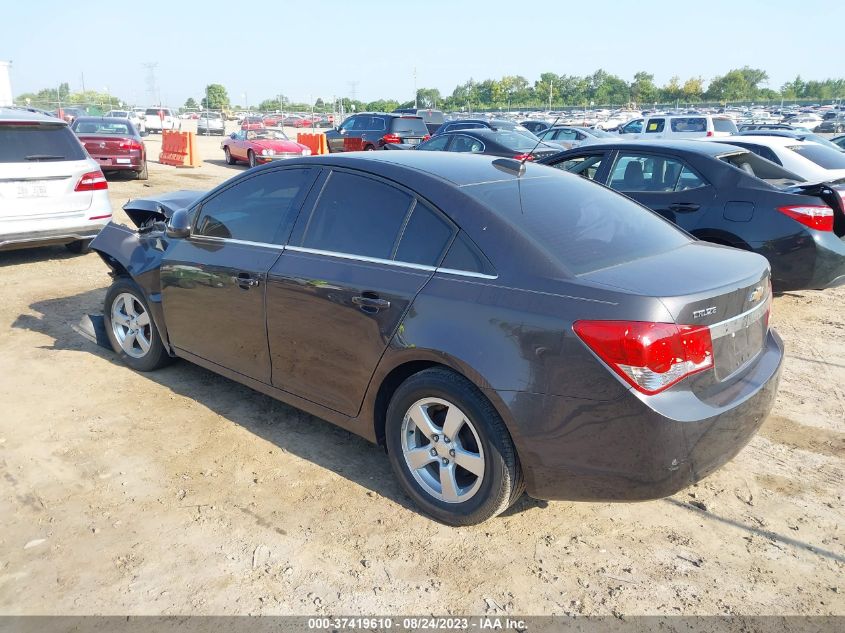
{"x": 27, "y": 143}
{"x": 724, "y": 125}
{"x": 689, "y": 124}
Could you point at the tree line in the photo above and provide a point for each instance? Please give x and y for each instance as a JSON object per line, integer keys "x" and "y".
{"x": 550, "y": 91}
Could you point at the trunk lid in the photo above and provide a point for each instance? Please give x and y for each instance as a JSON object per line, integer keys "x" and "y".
{"x": 833, "y": 195}
{"x": 145, "y": 211}
{"x": 717, "y": 286}
{"x": 43, "y": 190}
{"x": 103, "y": 145}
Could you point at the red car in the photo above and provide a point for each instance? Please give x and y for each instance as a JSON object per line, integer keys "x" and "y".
{"x": 252, "y": 123}
{"x": 260, "y": 146}
{"x": 114, "y": 143}
{"x": 272, "y": 120}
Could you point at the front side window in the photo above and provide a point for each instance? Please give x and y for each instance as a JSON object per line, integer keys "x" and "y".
{"x": 633, "y": 127}
{"x": 260, "y": 209}
{"x": 358, "y": 216}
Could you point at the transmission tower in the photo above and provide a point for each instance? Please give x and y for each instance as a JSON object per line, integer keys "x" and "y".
{"x": 152, "y": 87}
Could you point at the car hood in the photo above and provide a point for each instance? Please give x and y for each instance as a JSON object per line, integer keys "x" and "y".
{"x": 144, "y": 210}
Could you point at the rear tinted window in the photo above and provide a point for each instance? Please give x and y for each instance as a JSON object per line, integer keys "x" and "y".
{"x": 357, "y": 215}
{"x": 582, "y": 226}
{"x": 821, "y": 155}
{"x": 724, "y": 125}
{"x": 403, "y": 125}
{"x": 465, "y": 255}
{"x": 34, "y": 143}
{"x": 425, "y": 237}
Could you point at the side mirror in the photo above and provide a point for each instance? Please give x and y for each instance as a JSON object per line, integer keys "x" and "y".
{"x": 233, "y": 135}
{"x": 341, "y": 130}
{"x": 179, "y": 225}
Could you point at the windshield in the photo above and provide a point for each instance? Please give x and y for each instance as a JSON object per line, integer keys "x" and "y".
{"x": 822, "y": 156}
{"x": 266, "y": 135}
{"x": 579, "y": 224}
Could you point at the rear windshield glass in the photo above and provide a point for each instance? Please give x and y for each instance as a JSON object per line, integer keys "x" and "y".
{"x": 85, "y": 126}
{"x": 403, "y": 125}
{"x": 724, "y": 125}
{"x": 513, "y": 140}
{"x": 753, "y": 164}
{"x": 35, "y": 143}
{"x": 821, "y": 155}
{"x": 582, "y": 226}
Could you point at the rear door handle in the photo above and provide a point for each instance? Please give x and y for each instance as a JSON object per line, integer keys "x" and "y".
{"x": 371, "y": 304}
{"x": 245, "y": 281}
{"x": 684, "y": 207}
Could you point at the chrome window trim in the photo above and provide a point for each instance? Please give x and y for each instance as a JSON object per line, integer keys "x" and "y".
{"x": 740, "y": 321}
{"x": 232, "y": 240}
{"x": 389, "y": 262}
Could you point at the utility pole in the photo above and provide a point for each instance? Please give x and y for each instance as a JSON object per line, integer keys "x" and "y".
{"x": 415, "y": 88}
{"x": 551, "y": 85}
{"x": 82, "y": 76}
{"x": 353, "y": 90}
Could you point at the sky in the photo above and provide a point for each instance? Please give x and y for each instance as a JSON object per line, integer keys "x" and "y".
{"x": 370, "y": 50}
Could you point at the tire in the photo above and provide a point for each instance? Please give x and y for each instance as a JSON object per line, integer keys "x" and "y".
{"x": 369, "y": 148}
{"x": 251, "y": 156}
{"x": 143, "y": 174}
{"x": 229, "y": 159}
{"x": 78, "y": 247}
{"x": 497, "y": 481}
{"x": 124, "y": 298}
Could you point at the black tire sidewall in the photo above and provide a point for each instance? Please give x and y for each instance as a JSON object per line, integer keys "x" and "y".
{"x": 157, "y": 355}
{"x": 459, "y": 391}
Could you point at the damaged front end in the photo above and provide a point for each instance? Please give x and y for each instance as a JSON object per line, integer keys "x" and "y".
{"x": 137, "y": 253}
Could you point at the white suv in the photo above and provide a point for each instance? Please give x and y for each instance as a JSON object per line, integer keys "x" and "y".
{"x": 51, "y": 191}
{"x": 665, "y": 126}
{"x": 158, "y": 119}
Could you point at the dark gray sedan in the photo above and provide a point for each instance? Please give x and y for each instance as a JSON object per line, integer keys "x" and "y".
{"x": 497, "y": 327}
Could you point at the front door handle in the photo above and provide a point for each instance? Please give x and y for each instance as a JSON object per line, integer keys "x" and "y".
{"x": 245, "y": 281}
{"x": 684, "y": 207}
{"x": 371, "y": 304}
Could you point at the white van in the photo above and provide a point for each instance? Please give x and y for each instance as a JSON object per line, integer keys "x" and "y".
{"x": 158, "y": 119}
{"x": 677, "y": 126}
{"x": 51, "y": 190}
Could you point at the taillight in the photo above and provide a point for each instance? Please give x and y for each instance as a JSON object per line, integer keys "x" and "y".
{"x": 649, "y": 356}
{"x": 819, "y": 217}
{"x": 426, "y": 137}
{"x": 130, "y": 145}
{"x": 709, "y": 133}
{"x": 92, "y": 181}
{"x": 391, "y": 138}
{"x": 524, "y": 157}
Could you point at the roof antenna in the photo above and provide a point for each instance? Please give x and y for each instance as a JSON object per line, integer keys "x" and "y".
{"x": 539, "y": 140}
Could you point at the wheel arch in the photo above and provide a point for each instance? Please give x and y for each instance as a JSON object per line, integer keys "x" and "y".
{"x": 719, "y": 236}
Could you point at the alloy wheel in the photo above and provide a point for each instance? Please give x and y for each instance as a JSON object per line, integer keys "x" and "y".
{"x": 442, "y": 450}
{"x": 131, "y": 325}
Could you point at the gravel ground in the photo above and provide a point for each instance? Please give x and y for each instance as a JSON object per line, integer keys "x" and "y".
{"x": 181, "y": 492}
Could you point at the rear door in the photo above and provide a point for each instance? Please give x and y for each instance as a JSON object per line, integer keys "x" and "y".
{"x": 340, "y": 290}
{"x": 213, "y": 282}
{"x": 665, "y": 184}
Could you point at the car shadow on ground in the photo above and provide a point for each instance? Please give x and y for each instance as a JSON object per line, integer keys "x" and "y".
{"x": 291, "y": 429}
{"x": 35, "y": 254}
{"x": 221, "y": 162}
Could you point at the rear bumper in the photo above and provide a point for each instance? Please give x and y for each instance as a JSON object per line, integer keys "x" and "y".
{"x": 110, "y": 163}
{"x": 11, "y": 241}
{"x": 809, "y": 260}
{"x": 628, "y": 450}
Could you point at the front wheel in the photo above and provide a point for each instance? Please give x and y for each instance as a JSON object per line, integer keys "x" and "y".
{"x": 251, "y": 157}
{"x": 131, "y": 329}
{"x": 450, "y": 449}
{"x": 229, "y": 159}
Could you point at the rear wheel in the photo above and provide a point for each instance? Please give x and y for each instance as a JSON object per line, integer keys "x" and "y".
{"x": 79, "y": 246}
{"x": 251, "y": 156}
{"x": 143, "y": 174}
{"x": 369, "y": 148}
{"x": 131, "y": 329}
{"x": 450, "y": 449}
{"x": 229, "y": 159}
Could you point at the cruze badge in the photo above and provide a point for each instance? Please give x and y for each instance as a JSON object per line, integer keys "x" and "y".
{"x": 755, "y": 294}
{"x": 697, "y": 314}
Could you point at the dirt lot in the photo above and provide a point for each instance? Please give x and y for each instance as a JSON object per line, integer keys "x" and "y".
{"x": 182, "y": 492}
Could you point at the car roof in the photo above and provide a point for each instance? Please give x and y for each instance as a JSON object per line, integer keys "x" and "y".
{"x": 457, "y": 168}
{"x": 25, "y": 116}
{"x": 692, "y": 145}
{"x": 774, "y": 141}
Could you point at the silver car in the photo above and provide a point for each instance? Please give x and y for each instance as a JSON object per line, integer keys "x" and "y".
{"x": 132, "y": 115}
{"x": 211, "y": 123}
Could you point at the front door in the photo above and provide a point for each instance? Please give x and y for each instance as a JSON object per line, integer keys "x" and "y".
{"x": 213, "y": 282}
{"x": 340, "y": 290}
